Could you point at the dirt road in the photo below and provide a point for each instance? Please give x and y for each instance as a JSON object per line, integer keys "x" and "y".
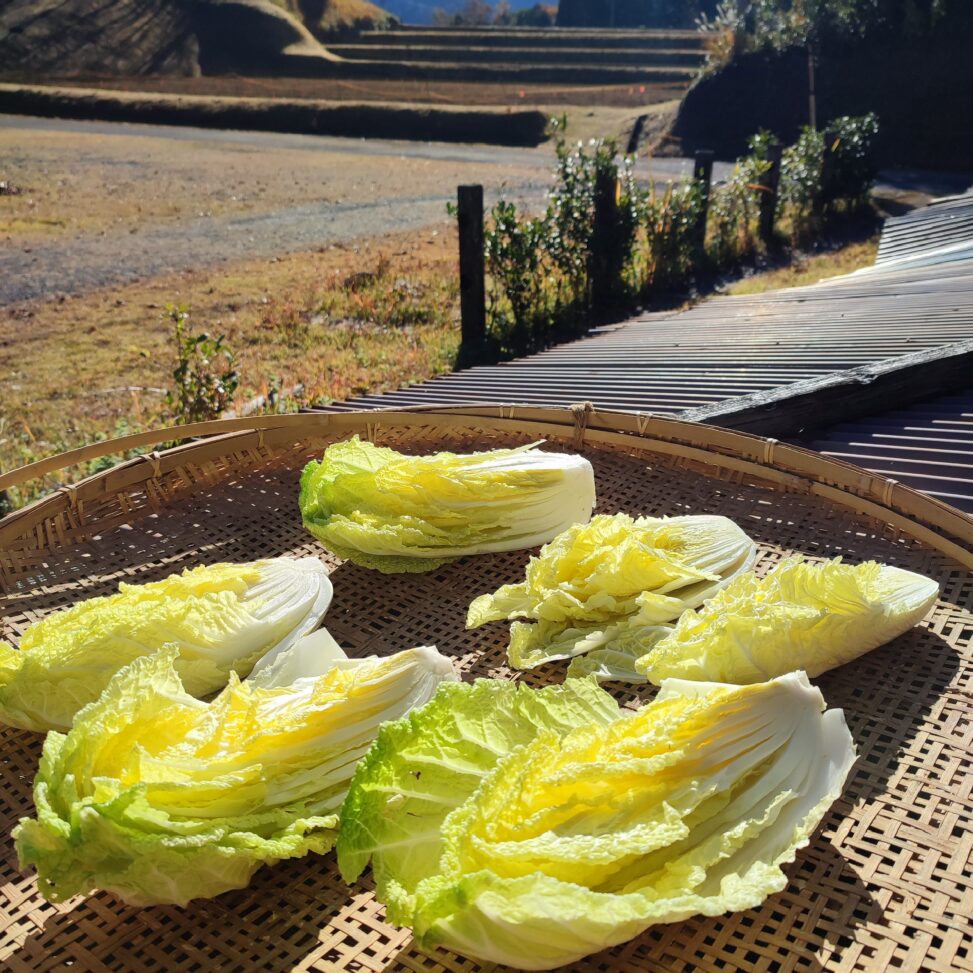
{"x": 102, "y": 204}
{"x": 99, "y": 204}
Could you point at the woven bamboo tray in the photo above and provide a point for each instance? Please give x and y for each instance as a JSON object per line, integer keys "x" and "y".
{"x": 885, "y": 882}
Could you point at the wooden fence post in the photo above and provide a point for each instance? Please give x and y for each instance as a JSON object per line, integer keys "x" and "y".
{"x": 703, "y": 174}
{"x": 472, "y": 287}
{"x": 827, "y": 168}
{"x": 825, "y": 194}
{"x": 635, "y": 136}
{"x": 603, "y": 243}
{"x": 768, "y": 198}
{"x": 812, "y": 96}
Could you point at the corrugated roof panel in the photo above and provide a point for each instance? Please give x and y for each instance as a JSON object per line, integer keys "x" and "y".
{"x": 918, "y": 446}
{"x": 668, "y": 362}
{"x": 915, "y": 298}
{"x": 943, "y": 224}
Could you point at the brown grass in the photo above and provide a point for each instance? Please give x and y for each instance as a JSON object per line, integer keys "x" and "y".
{"x": 340, "y": 14}
{"x": 339, "y": 322}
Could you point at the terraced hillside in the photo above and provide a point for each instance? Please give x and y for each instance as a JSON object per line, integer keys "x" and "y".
{"x": 150, "y": 37}
{"x": 530, "y": 55}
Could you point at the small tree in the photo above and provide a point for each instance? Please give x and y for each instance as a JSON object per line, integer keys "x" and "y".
{"x": 502, "y": 14}
{"x": 536, "y": 16}
{"x": 476, "y": 13}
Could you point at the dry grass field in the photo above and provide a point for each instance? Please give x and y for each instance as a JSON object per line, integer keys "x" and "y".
{"x": 810, "y": 268}
{"x": 364, "y": 317}
{"x": 372, "y": 310}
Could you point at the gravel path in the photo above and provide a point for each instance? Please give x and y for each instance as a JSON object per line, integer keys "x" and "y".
{"x": 411, "y": 185}
{"x": 85, "y": 263}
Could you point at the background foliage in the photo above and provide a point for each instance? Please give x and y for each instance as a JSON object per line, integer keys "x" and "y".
{"x": 540, "y": 269}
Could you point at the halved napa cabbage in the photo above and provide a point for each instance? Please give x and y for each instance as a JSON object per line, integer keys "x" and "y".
{"x": 222, "y": 618}
{"x": 595, "y": 576}
{"x": 396, "y": 513}
{"x": 161, "y": 798}
{"x": 800, "y": 616}
{"x": 532, "y": 828}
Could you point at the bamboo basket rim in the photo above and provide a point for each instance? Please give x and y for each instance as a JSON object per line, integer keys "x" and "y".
{"x": 928, "y": 519}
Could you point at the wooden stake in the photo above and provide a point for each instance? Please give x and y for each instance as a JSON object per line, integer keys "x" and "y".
{"x": 603, "y": 244}
{"x": 472, "y": 288}
{"x": 703, "y": 174}
{"x": 812, "y": 96}
{"x": 768, "y": 198}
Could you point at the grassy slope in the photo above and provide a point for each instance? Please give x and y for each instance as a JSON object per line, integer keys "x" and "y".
{"x": 344, "y": 13}
{"x": 809, "y": 269}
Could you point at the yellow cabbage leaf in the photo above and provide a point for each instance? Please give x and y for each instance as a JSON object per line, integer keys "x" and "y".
{"x": 594, "y": 576}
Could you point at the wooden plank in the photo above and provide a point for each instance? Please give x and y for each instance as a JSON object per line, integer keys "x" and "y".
{"x": 841, "y": 396}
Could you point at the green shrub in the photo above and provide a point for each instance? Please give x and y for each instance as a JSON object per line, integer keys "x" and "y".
{"x": 571, "y": 213}
{"x": 800, "y": 181}
{"x": 819, "y": 178}
{"x": 519, "y": 303}
{"x": 540, "y": 269}
{"x": 853, "y": 168}
{"x": 670, "y": 221}
{"x": 205, "y": 374}
{"x": 735, "y": 207}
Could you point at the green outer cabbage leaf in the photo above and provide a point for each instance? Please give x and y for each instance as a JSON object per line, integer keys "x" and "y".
{"x": 432, "y": 760}
{"x": 579, "y": 839}
{"x": 806, "y": 616}
{"x": 161, "y": 798}
{"x": 594, "y": 577}
{"x": 396, "y": 513}
{"x": 222, "y": 618}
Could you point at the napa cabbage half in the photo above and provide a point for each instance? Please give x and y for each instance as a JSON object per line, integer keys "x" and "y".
{"x": 532, "y": 828}
{"x": 222, "y": 618}
{"x": 800, "y": 616}
{"x": 595, "y": 576}
{"x": 161, "y": 798}
{"x": 396, "y": 513}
